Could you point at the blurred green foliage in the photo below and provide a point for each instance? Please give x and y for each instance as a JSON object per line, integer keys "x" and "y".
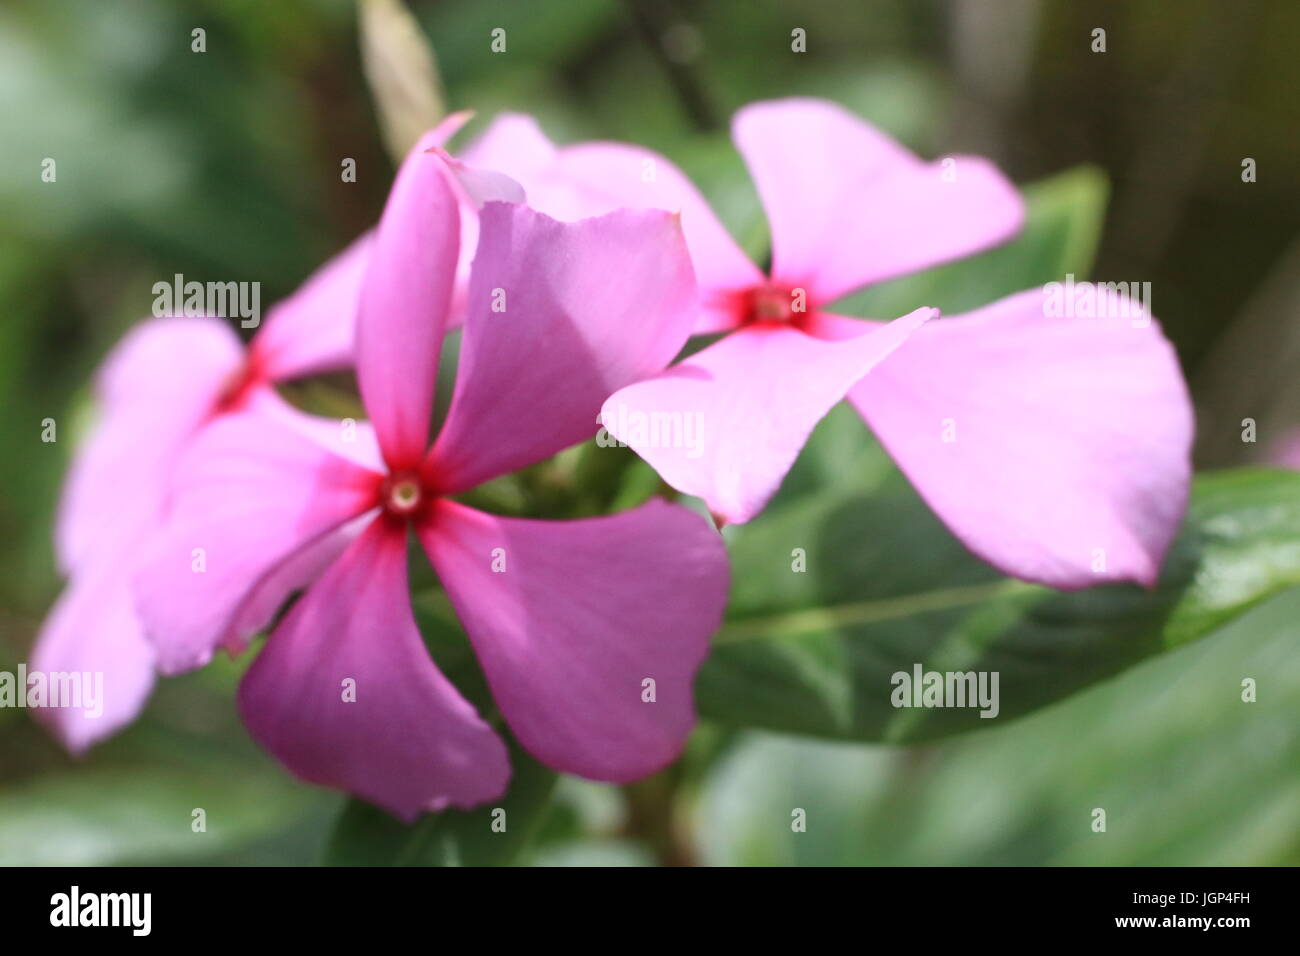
{"x": 1188, "y": 774}
{"x": 226, "y": 164}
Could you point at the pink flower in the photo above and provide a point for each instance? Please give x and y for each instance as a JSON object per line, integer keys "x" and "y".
{"x": 159, "y": 387}
{"x": 162, "y": 384}
{"x": 589, "y": 632}
{"x": 1056, "y": 448}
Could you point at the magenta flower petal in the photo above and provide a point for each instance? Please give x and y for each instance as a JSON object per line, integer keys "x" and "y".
{"x": 250, "y": 492}
{"x": 156, "y": 387}
{"x": 619, "y": 174}
{"x": 347, "y": 438}
{"x": 405, "y": 296}
{"x": 1056, "y": 449}
{"x": 587, "y": 308}
{"x": 571, "y": 619}
{"x": 93, "y": 629}
{"x": 478, "y": 185}
{"x": 257, "y": 609}
{"x": 515, "y": 145}
{"x": 312, "y": 330}
{"x": 849, "y": 206}
{"x": 345, "y": 695}
{"x": 507, "y": 148}
{"x": 750, "y": 401}
{"x": 589, "y": 179}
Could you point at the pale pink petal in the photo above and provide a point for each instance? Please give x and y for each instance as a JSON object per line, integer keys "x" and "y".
{"x": 405, "y": 298}
{"x": 344, "y": 693}
{"x": 515, "y": 145}
{"x": 345, "y": 437}
{"x": 93, "y": 632}
{"x": 615, "y": 174}
{"x": 478, "y": 185}
{"x": 1057, "y": 449}
{"x": 354, "y": 441}
{"x": 313, "y": 330}
{"x": 728, "y": 422}
{"x": 589, "y": 632}
{"x": 849, "y": 206}
{"x": 590, "y": 179}
{"x": 249, "y": 494}
{"x": 474, "y": 186}
{"x": 155, "y": 388}
{"x": 588, "y": 307}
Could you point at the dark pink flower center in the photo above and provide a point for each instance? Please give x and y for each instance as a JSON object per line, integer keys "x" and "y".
{"x": 404, "y": 495}
{"x": 771, "y": 303}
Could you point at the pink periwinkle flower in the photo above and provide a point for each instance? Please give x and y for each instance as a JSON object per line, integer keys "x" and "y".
{"x": 572, "y": 621}
{"x": 1056, "y": 447}
{"x": 162, "y": 385}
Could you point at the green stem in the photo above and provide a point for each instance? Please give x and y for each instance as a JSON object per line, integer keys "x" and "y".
{"x": 654, "y": 818}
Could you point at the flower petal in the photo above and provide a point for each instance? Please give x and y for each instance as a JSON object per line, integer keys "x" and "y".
{"x": 1057, "y": 449}
{"x": 571, "y": 618}
{"x": 345, "y": 437}
{"x": 618, "y": 174}
{"x": 405, "y": 301}
{"x": 250, "y": 493}
{"x": 588, "y": 307}
{"x": 93, "y": 630}
{"x": 515, "y": 145}
{"x": 590, "y": 179}
{"x": 849, "y": 206}
{"x": 314, "y": 329}
{"x": 478, "y": 185}
{"x": 259, "y": 607}
{"x": 407, "y": 740}
{"x": 728, "y": 422}
{"x": 155, "y": 388}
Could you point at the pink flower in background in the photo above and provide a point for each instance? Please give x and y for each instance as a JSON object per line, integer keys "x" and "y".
{"x": 166, "y": 380}
{"x": 568, "y": 619}
{"x": 169, "y": 378}
{"x": 1040, "y": 441}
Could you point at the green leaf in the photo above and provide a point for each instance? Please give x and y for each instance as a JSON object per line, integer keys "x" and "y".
{"x": 1188, "y": 772}
{"x": 1063, "y": 218}
{"x": 367, "y": 836}
{"x": 887, "y": 587}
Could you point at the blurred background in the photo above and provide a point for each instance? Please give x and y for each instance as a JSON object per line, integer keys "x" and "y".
{"x": 226, "y": 164}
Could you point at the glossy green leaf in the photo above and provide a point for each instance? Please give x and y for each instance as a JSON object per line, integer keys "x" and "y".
{"x": 1189, "y": 769}
{"x": 887, "y": 588}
